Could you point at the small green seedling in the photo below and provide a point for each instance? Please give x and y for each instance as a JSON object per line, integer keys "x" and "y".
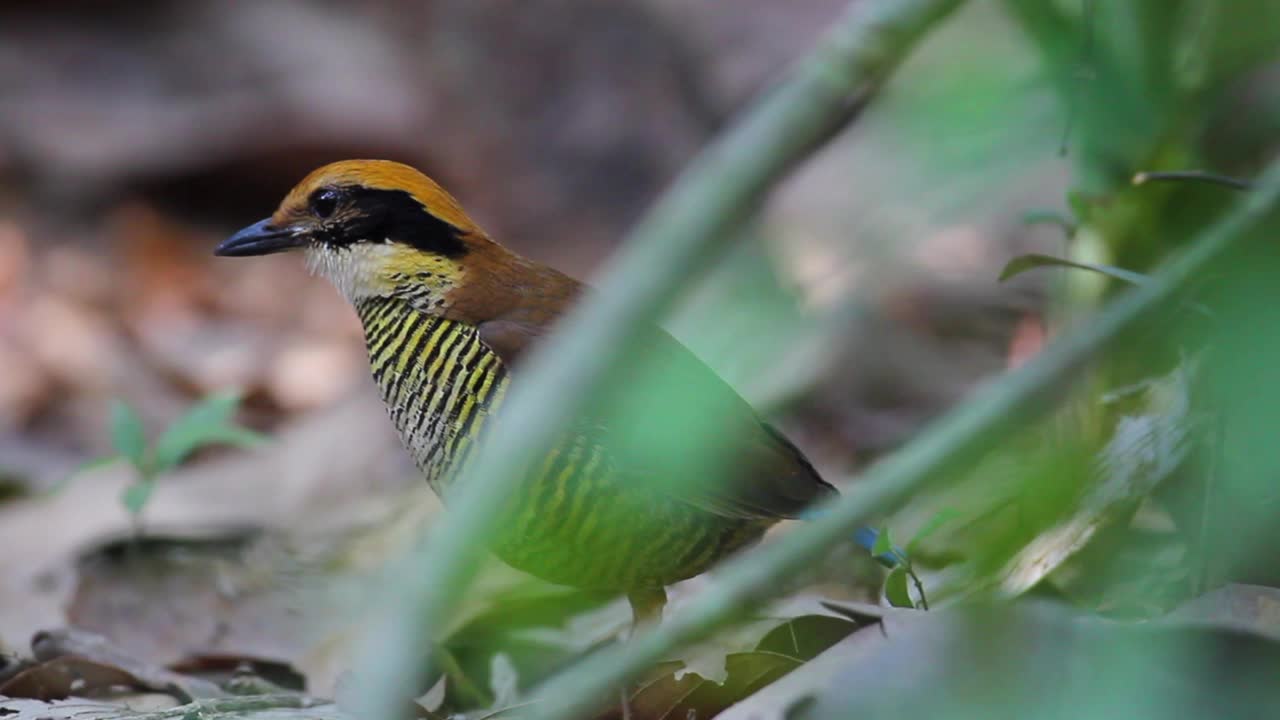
{"x": 896, "y": 583}
{"x": 207, "y": 423}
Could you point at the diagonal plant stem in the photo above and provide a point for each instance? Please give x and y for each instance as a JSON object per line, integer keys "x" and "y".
{"x": 960, "y": 436}
{"x": 1202, "y": 176}
{"x": 689, "y": 227}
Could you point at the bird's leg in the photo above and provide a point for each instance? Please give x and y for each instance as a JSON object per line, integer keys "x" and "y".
{"x": 646, "y": 611}
{"x": 646, "y": 607}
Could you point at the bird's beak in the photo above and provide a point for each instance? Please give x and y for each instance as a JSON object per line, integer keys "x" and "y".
{"x": 261, "y": 238}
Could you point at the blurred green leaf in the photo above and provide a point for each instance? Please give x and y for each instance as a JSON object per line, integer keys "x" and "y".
{"x": 95, "y": 464}
{"x": 1050, "y": 217}
{"x": 216, "y": 409}
{"x": 87, "y": 466}
{"x": 895, "y": 588}
{"x": 1023, "y": 263}
{"x": 206, "y": 423}
{"x": 1080, "y": 205}
{"x": 940, "y": 518}
{"x": 233, "y": 435}
{"x": 135, "y": 496}
{"x": 128, "y": 436}
{"x": 1015, "y": 655}
{"x": 884, "y": 543}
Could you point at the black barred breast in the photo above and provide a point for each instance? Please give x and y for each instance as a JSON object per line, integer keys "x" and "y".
{"x": 438, "y": 380}
{"x": 572, "y": 521}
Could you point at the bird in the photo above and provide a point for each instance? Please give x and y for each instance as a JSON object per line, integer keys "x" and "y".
{"x": 449, "y": 315}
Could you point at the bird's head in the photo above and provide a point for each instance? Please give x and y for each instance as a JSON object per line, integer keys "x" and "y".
{"x": 373, "y": 227}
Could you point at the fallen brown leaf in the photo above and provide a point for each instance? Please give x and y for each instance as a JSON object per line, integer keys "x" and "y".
{"x": 66, "y": 676}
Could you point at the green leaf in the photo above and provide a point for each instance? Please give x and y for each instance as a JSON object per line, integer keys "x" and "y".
{"x": 135, "y": 496}
{"x": 234, "y": 435}
{"x": 1080, "y": 205}
{"x": 95, "y": 464}
{"x": 128, "y": 436}
{"x": 1050, "y": 217}
{"x": 203, "y": 424}
{"x": 883, "y": 544}
{"x": 216, "y": 409}
{"x": 895, "y": 588}
{"x": 940, "y": 518}
{"x": 1023, "y": 263}
{"x": 82, "y": 468}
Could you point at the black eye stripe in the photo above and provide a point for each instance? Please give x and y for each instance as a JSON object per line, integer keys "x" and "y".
{"x": 323, "y": 202}
{"x": 377, "y": 215}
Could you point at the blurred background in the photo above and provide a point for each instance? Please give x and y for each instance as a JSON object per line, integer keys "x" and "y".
{"x": 864, "y": 300}
{"x": 133, "y": 140}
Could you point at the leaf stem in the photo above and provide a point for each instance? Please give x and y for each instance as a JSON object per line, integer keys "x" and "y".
{"x": 1202, "y": 176}
{"x": 915, "y": 580}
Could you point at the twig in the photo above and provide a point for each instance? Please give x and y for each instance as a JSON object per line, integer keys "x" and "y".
{"x": 625, "y": 703}
{"x": 915, "y": 580}
{"x": 684, "y": 232}
{"x": 1203, "y": 176}
{"x": 963, "y": 434}
{"x": 234, "y": 706}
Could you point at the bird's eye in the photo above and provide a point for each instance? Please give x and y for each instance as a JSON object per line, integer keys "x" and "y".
{"x": 324, "y": 203}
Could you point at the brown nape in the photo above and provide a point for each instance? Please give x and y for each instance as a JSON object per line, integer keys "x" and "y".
{"x": 512, "y": 301}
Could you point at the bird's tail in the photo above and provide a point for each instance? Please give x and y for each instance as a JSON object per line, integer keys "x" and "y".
{"x": 866, "y": 538}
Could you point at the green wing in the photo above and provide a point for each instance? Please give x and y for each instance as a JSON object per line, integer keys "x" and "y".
{"x": 671, "y": 424}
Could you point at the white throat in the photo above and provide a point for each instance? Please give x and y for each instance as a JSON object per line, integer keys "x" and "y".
{"x": 354, "y": 270}
{"x": 365, "y": 270}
